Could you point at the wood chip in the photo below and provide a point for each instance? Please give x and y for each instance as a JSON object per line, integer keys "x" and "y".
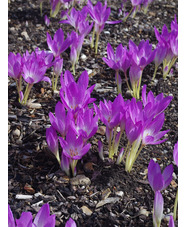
{"x": 108, "y": 200}
{"x": 106, "y": 193}
{"x": 101, "y": 130}
{"x": 86, "y": 210}
{"x": 19, "y": 196}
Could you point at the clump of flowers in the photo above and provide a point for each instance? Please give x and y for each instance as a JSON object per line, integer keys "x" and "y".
{"x": 140, "y": 122}
{"x": 73, "y": 121}
{"x": 167, "y": 48}
{"x": 42, "y": 218}
{"x": 31, "y": 67}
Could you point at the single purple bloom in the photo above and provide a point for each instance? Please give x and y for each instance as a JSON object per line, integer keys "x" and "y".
{"x": 43, "y": 217}
{"x": 114, "y": 60}
{"x": 100, "y": 150}
{"x": 158, "y": 181}
{"x": 152, "y": 133}
{"x": 33, "y": 72}
{"x": 58, "y": 65}
{"x": 160, "y": 54}
{"x": 11, "y": 222}
{"x": 135, "y": 74}
{"x": 174, "y": 43}
{"x": 87, "y": 124}
{"x": 142, "y": 55}
{"x": 110, "y": 112}
{"x": 65, "y": 164}
{"x": 175, "y": 153}
{"x": 154, "y": 105}
{"x": 14, "y": 65}
{"x": 47, "y": 21}
{"x": 25, "y": 220}
{"x": 72, "y": 146}
{"x": 70, "y": 223}
{"x": 174, "y": 25}
{"x": 61, "y": 121}
{"x": 171, "y": 221}
{"x": 136, "y": 2}
{"x": 52, "y": 141}
{"x": 133, "y": 130}
{"x": 58, "y": 44}
{"x": 158, "y": 208}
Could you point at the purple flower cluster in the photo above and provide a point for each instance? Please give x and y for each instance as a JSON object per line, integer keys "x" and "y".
{"x": 167, "y": 48}
{"x": 31, "y": 67}
{"x": 42, "y": 219}
{"x": 135, "y": 59}
{"x": 73, "y": 121}
{"x": 141, "y": 121}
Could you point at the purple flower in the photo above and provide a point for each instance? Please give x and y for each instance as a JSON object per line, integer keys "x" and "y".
{"x": 58, "y": 44}
{"x": 110, "y": 113}
{"x": 87, "y": 125}
{"x": 61, "y": 121}
{"x": 171, "y": 221}
{"x": 65, "y": 164}
{"x": 14, "y": 65}
{"x": 158, "y": 209}
{"x": 76, "y": 96}
{"x": 47, "y": 21}
{"x": 58, "y": 66}
{"x": 100, "y": 150}
{"x": 175, "y": 153}
{"x": 142, "y": 55}
{"x": 135, "y": 75}
{"x": 114, "y": 60}
{"x": 52, "y": 141}
{"x": 159, "y": 181}
{"x": 70, "y": 223}
{"x": 152, "y": 133}
{"x": 160, "y": 54}
{"x": 55, "y": 7}
{"x": 136, "y": 2}
{"x": 42, "y": 218}
{"x": 174, "y": 43}
{"x": 72, "y": 146}
{"x": 11, "y": 222}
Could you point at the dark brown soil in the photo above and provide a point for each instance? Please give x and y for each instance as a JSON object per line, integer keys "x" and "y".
{"x": 31, "y": 162}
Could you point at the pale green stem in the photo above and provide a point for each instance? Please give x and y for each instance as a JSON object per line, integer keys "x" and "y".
{"x": 139, "y": 85}
{"x": 117, "y": 82}
{"x": 128, "y": 14}
{"x": 96, "y": 45}
{"x": 116, "y": 147}
{"x": 113, "y": 142}
{"x": 127, "y": 81}
{"x": 127, "y": 152}
{"x": 41, "y": 4}
{"x": 132, "y": 163}
{"x": 155, "y": 70}
{"x": 170, "y": 66}
{"x": 73, "y": 165}
{"x": 146, "y": 9}
{"x": 58, "y": 158}
{"x": 110, "y": 144}
{"x": 73, "y": 69}
{"x": 53, "y": 81}
{"x": 93, "y": 35}
{"x": 175, "y": 206}
{"x": 135, "y": 12}
{"x": 18, "y": 90}
{"x": 27, "y": 92}
{"x": 55, "y": 84}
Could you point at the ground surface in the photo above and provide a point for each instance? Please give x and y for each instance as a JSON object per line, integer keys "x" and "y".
{"x": 30, "y": 161}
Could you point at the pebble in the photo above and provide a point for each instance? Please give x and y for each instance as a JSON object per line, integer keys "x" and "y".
{"x": 174, "y": 176}
{"x": 86, "y": 210}
{"x": 120, "y": 193}
{"x": 16, "y": 133}
{"x": 19, "y": 196}
{"x": 80, "y": 180}
{"x": 107, "y": 32}
{"x": 83, "y": 57}
{"x": 25, "y": 34}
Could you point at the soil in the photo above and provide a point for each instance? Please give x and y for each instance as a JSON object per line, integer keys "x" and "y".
{"x": 32, "y": 168}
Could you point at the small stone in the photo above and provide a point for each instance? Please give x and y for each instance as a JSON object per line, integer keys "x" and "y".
{"x": 83, "y": 57}
{"x": 144, "y": 212}
{"x": 107, "y": 32}
{"x": 80, "y": 180}
{"x": 16, "y": 133}
{"x": 174, "y": 176}
{"x": 25, "y": 34}
{"x": 86, "y": 210}
{"x": 120, "y": 193}
{"x": 71, "y": 197}
{"x": 101, "y": 130}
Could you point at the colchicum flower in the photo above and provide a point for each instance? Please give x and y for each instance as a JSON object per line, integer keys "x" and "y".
{"x": 58, "y": 67}
{"x": 159, "y": 181}
{"x": 70, "y": 223}
{"x": 171, "y": 221}
{"x": 100, "y": 14}
{"x": 42, "y": 218}
{"x": 58, "y": 44}
{"x": 175, "y": 156}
